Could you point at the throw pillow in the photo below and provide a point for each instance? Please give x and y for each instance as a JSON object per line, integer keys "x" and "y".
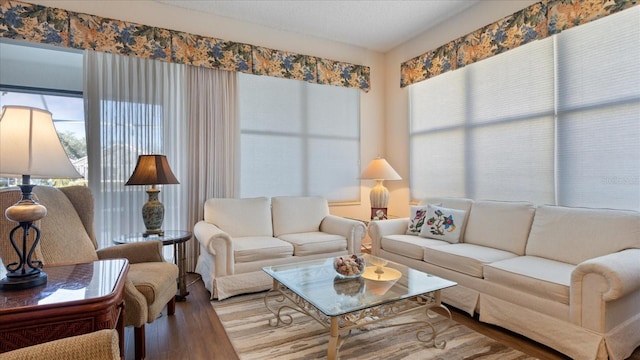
{"x": 416, "y": 219}
{"x": 443, "y": 224}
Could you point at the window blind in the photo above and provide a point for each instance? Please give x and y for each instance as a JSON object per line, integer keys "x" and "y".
{"x": 298, "y": 139}
{"x": 556, "y": 121}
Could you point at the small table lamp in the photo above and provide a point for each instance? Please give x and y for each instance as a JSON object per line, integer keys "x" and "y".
{"x": 29, "y": 147}
{"x": 379, "y": 170}
{"x": 152, "y": 170}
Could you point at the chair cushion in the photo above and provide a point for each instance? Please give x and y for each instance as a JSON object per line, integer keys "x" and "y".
{"x": 240, "y": 217}
{"x": 465, "y": 258}
{"x": 311, "y": 243}
{"x": 500, "y": 224}
{"x": 256, "y": 248}
{"x": 410, "y": 246}
{"x": 294, "y": 214}
{"x": 545, "y": 278}
{"x": 153, "y": 278}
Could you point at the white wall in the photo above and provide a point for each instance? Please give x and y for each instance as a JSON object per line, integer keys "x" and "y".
{"x": 160, "y": 15}
{"x": 396, "y": 125}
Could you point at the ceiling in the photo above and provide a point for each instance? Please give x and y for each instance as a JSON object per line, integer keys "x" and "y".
{"x": 378, "y": 25}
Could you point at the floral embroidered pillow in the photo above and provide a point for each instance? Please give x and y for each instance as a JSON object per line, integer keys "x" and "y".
{"x": 443, "y": 224}
{"x": 416, "y": 219}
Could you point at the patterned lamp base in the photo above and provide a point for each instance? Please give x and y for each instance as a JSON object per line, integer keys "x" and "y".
{"x": 153, "y": 213}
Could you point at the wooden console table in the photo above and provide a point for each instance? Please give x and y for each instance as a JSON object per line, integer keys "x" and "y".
{"x": 77, "y": 299}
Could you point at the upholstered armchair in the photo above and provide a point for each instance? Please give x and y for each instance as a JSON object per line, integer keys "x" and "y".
{"x": 67, "y": 236}
{"x": 98, "y": 345}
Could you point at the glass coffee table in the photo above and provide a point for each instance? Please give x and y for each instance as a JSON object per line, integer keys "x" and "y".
{"x": 384, "y": 290}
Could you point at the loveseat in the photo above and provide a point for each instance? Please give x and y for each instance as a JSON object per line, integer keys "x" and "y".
{"x": 568, "y": 278}
{"x": 238, "y": 237}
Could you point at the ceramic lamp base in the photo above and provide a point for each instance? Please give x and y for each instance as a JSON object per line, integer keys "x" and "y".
{"x": 153, "y": 214}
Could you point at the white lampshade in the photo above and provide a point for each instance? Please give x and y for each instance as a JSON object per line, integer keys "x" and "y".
{"x": 29, "y": 145}
{"x": 379, "y": 169}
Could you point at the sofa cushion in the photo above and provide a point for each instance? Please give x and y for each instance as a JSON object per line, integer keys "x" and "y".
{"x": 240, "y": 217}
{"x": 153, "y": 278}
{"x": 443, "y": 223}
{"x": 417, "y": 217}
{"x": 545, "y": 278}
{"x": 293, "y": 214}
{"x": 410, "y": 246}
{"x": 465, "y": 258}
{"x": 315, "y": 243}
{"x": 256, "y": 248}
{"x": 500, "y": 224}
{"x": 452, "y": 203}
{"x": 557, "y": 229}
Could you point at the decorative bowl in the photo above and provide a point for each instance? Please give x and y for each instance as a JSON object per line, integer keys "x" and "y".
{"x": 349, "y": 267}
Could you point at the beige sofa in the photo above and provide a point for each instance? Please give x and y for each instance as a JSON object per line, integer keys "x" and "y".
{"x": 566, "y": 277}
{"x": 238, "y": 237}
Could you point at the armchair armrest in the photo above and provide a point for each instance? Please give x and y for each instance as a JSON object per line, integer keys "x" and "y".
{"x": 353, "y": 230}
{"x": 596, "y": 281}
{"x": 382, "y": 228}
{"x": 148, "y": 251}
{"x": 217, "y": 243}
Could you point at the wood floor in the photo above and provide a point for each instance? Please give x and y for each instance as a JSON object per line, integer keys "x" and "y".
{"x": 195, "y": 332}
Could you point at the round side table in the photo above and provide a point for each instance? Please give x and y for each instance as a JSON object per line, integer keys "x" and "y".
{"x": 177, "y": 238}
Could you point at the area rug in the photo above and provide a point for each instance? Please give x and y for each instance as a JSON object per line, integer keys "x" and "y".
{"x": 246, "y": 321}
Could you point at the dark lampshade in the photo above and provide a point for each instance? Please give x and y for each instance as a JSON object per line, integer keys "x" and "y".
{"x": 152, "y": 170}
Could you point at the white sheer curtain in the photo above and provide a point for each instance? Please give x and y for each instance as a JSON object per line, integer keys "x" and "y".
{"x": 213, "y": 142}
{"x": 133, "y": 107}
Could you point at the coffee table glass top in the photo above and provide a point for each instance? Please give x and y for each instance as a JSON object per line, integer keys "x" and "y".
{"x": 383, "y": 281}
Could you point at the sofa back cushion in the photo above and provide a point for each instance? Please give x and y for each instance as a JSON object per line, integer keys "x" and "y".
{"x": 240, "y": 217}
{"x": 500, "y": 225}
{"x": 293, "y": 214}
{"x": 573, "y": 235}
{"x": 451, "y": 203}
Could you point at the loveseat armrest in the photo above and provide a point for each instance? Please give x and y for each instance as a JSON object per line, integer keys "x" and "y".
{"x": 218, "y": 243}
{"x": 381, "y": 228}
{"x": 596, "y": 281}
{"x": 353, "y": 230}
{"x": 141, "y": 252}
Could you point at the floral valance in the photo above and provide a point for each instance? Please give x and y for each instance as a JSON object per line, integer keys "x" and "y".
{"x": 537, "y": 21}
{"x": 36, "y": 23}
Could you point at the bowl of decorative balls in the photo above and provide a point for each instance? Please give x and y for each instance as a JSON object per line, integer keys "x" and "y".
{"x": 349, "y": 267}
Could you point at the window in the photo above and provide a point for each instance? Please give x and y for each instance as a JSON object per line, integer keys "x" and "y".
{"x": 68, "y": 118}
{"x": 556, "y": 121}
{"x": 49, "y": 78}
{"x": 298, "y": 139}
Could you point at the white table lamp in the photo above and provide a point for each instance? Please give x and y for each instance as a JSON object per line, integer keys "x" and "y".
{"x": 29, "y": 148}
{"x": 379, "y": 170}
